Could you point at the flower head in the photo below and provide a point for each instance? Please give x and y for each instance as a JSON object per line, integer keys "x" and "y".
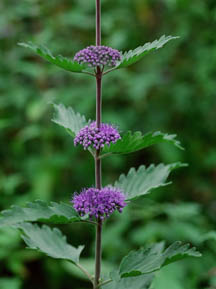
{"x": 95, "y": 56}
{"x": 90, "y": 135}
{"x": 99, "y": 203}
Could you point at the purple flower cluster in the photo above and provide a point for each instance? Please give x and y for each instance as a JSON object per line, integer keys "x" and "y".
{"x": 99, "y": 203}
{"x": 95, "y": 56}
{"x": 90, "y": 135}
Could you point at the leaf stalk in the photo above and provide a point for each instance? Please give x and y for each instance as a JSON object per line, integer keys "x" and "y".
{"x": 88, "y": 275}
{"x": 105, "y": 282}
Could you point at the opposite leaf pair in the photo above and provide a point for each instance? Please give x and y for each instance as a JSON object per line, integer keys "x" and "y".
{"x": 78, "y": 65}
{"x": 136, "y": 270}
{"x": 135, "y": 184}
{"x": 128, "y": 142}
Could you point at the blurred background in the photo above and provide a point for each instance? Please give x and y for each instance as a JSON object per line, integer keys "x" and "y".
{"x": 171, "y": 90}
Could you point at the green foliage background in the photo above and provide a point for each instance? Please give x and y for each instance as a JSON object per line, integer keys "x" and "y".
{"x": 172, "y": 90}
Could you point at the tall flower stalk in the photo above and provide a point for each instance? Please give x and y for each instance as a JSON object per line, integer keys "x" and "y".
{"x": 98, "y": 173}
{"x": 94, "y": 205}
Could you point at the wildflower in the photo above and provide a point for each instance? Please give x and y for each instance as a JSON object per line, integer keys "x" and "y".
{"x": 99, "y": 203}
{"x": 95, "y": 56}
{"x": 91, "y": 135}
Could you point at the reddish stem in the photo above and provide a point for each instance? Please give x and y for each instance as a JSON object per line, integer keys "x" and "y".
{"x": 98, "y": 248}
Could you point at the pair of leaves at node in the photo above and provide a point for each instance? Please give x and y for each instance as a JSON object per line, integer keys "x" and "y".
{"x": 127, "y": 58}
{"x": 129, "y": 143}
{"x": 136, "y": 269}
{"x": 135, "y": 184}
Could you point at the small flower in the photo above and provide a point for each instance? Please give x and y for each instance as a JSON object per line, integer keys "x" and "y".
{"x": 99, "y": 203}
{"x": 90, "y": 135}
{"x": 95, "y": 56}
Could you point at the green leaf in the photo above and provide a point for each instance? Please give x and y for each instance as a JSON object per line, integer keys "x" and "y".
{"x": 49, "y": 241}
{"x": 140, "y": 182}
{"x": 137, "y": 270}
{"x": 153, "y": 258}
{"x": 59, "y": 60}
{"x": 69, "y": 119}
{"x": 140, "y": 282}
{"x": 135, "y": 55}
{"x": 208, "y": 236}
{"x": 133, "y": 142}
{"x": 56, "y": 213}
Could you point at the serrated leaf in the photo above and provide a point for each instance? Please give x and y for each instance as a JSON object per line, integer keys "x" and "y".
{"x": 59, "y": 60}
{"x": 154, "y": 258}
{"x": 133, "y": 142}
{"x": 135, "y": 55}
{"x": 140, "y": 182}
{"x": 56, "y": 213}
{"x": 208, "y": 236}
{"x": 69, "y": 119}
{"x": 49, "y": 241}
{"x": 178, "y": 251}
{"x": 140, "y": 282}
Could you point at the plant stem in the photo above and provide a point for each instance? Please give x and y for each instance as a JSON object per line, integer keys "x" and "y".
{"x": 98, "y": 96}
{"x": 98, "y": 22}
{"x": 98, "y": 247}
{"x": 98, "y": 254}
{"x": 98, "y": 184}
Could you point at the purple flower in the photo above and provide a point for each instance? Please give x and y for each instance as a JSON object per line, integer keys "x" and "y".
{"x": 90, "y": 135}
{"x": 99, "y": 203}
{"x": 95, "y": 56}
